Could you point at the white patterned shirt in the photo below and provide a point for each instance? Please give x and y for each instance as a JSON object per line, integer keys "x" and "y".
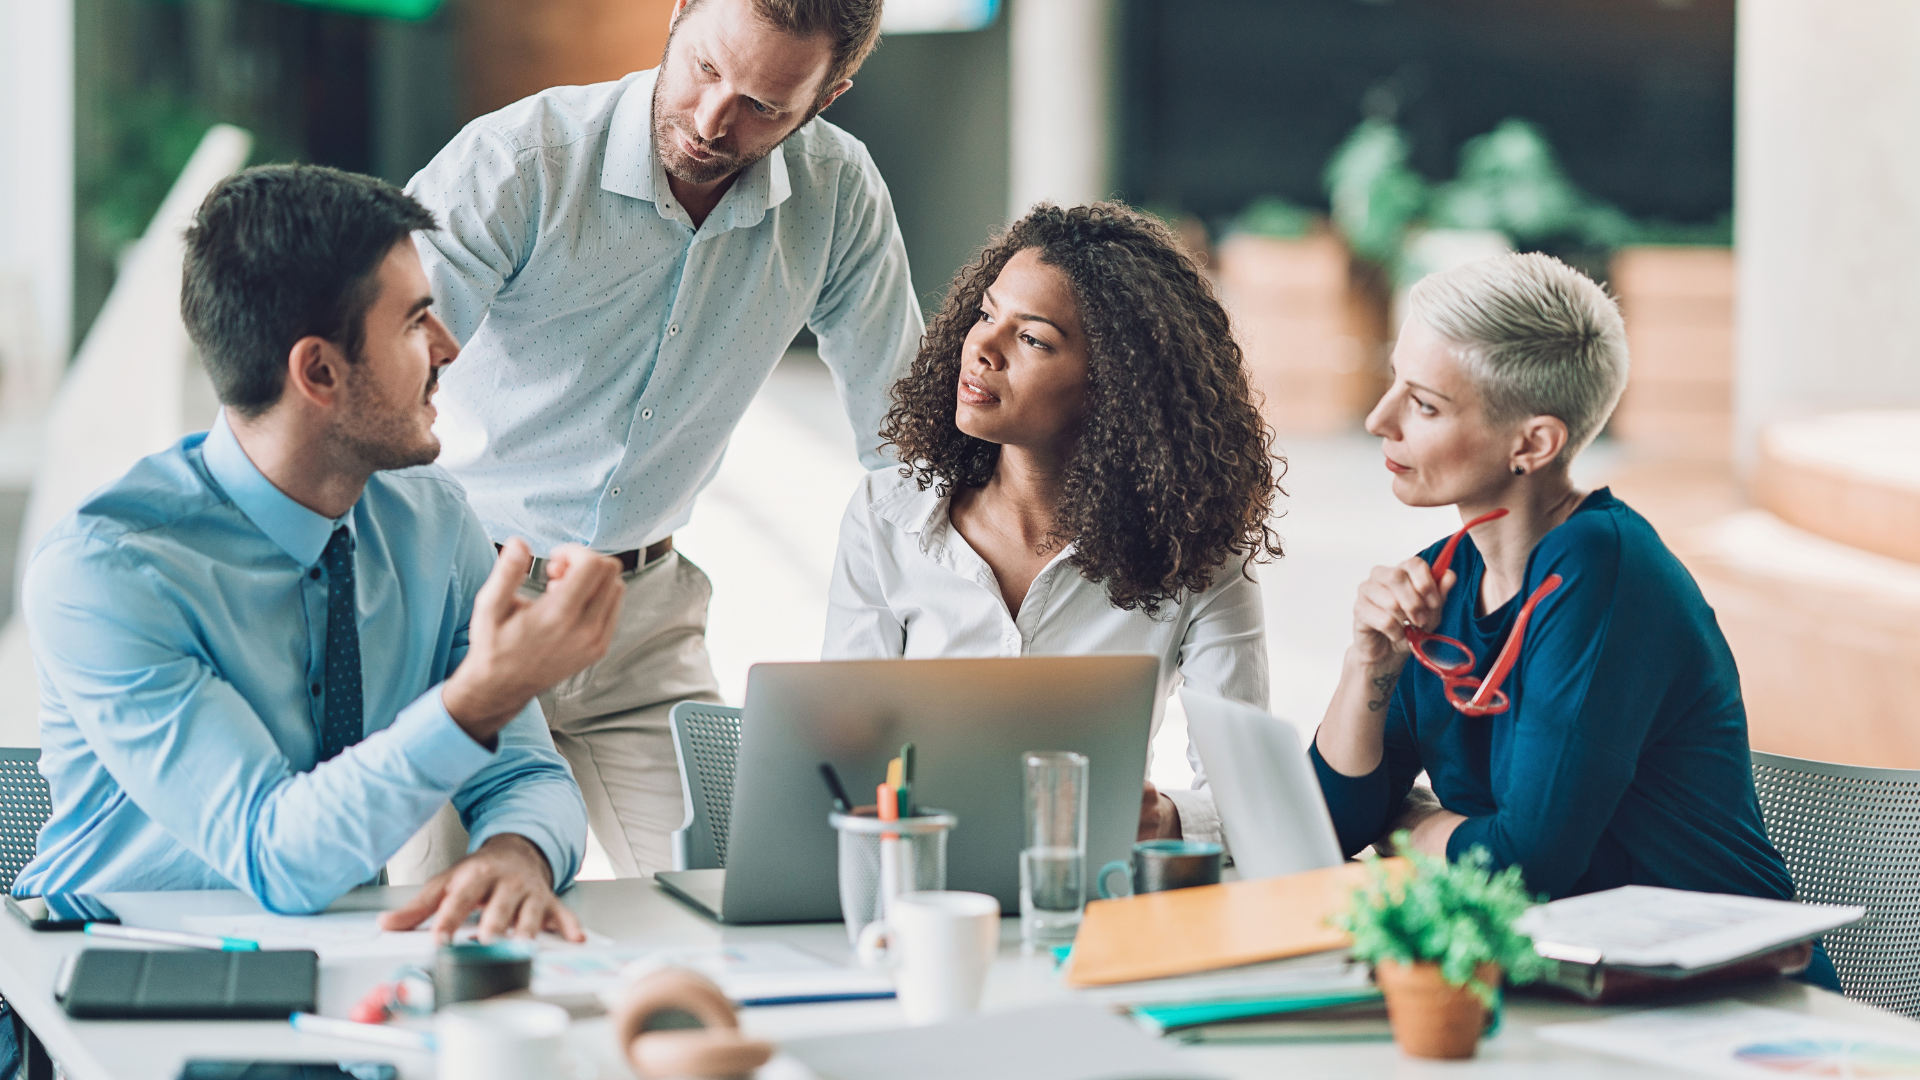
{"x": 906, "y": 583}
{"x": 609, "y": 346}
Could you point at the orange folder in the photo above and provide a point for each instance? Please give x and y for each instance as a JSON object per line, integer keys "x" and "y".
{"x": 1185, "y": 931}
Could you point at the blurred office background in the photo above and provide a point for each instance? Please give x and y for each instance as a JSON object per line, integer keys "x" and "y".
{"x": 1741, "y": 173}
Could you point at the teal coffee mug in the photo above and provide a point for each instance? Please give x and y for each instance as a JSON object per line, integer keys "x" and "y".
{"x": 1159, "y": 865}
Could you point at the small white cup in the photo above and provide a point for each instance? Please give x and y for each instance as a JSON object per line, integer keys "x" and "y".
{"x": 940, "y": 945}
{"x": 502, "y": 1040}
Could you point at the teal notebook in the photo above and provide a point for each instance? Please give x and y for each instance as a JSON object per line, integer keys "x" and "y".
{"x": 1166, "y": 1019}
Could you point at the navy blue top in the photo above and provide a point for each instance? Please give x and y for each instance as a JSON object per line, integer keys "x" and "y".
{"x": 1623, "y": 760}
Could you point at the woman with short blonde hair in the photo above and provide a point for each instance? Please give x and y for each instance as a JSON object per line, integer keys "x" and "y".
{"x": 1571, "y": 699}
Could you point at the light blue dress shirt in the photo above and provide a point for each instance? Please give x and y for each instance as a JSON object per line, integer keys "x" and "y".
{"x": 611, "y": 347}
{"x": 179, "y": 623}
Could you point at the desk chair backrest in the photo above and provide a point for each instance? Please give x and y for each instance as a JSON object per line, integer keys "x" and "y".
{"x": 1851, "y": 835}
{"x": 706, "y": 738}
{"x": 24, "y": 807}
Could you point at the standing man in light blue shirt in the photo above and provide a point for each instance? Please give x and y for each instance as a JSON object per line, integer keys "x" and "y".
{"x": 269, "y": 654}
{"x": 626, "y": 263}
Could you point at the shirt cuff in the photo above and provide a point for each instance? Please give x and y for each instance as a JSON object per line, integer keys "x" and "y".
{"x": 1199, "y": 818}
{"x": 1466, "y": 834}
{"x": 563, "y": 859}
{"x": 445, "y": 755}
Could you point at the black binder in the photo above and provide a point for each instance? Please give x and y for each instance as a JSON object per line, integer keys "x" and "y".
{"x": 190, "y": 984}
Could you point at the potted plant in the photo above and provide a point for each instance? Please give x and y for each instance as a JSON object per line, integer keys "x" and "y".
{"x": 1440, "y": 939}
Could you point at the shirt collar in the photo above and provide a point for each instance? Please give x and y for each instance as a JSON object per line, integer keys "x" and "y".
{"x": 630, "y": 168}
{"x": 299, "y": 531}
{"x": 920, "y": 513}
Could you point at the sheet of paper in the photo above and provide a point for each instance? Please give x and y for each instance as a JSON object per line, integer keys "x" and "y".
{"x": 1643, "y": 926}
{"x": 334, "y": 935}
{"x": 1744, "y": 1042}
{"x": 344, "y": 935}
{"x": 744, "y": 972}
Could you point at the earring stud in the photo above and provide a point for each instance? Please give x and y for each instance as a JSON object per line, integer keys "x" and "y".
{"x": 1519, "y": 470}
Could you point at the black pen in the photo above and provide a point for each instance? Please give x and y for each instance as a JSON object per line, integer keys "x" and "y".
{"x": 839, "y": 792}
{"x": 906, "y": 780}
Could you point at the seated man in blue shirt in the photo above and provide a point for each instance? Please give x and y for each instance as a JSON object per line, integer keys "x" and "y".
{"x": 268, "y": 654}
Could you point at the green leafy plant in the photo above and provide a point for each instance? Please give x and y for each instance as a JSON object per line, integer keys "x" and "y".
{"x": 1457, "y": 914}
{"x": 1274, "y": 217}
{"x": 1376, "y": 195}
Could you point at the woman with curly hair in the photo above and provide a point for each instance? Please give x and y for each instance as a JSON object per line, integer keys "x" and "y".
{"x": 1085, "y": 472}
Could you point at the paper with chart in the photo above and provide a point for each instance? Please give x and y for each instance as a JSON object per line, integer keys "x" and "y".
{"x": 1745, "y": 1042}
{"x": 1643, "y": 926}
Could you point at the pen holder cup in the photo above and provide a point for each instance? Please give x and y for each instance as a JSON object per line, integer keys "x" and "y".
{"x": 912, "y": 851}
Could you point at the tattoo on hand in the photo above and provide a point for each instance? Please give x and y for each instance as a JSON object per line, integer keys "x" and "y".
{"x": 1383, "y": 684}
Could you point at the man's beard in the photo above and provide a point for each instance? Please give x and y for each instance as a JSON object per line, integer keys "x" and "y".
{"x": 726, "y": 159}
{"x": 378, "y": 437}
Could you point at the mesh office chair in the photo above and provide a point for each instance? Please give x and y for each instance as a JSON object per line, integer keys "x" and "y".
{"x": 1851, "y": 835}
{"x": 24, "y": 808}
{"x": 706, "y": 739}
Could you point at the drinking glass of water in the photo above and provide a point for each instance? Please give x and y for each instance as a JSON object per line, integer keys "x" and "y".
{"x": 1053, "y": 858}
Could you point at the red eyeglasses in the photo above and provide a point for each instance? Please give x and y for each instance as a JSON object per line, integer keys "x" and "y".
{"x": 1454, "y": 662}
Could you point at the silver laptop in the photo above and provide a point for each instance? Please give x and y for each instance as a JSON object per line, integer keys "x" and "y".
{"x": 1263, "y": 784}
{"x": 969, "y": 721}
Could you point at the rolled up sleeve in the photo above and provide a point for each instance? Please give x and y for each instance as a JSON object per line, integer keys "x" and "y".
{"x": 867, "y": 318}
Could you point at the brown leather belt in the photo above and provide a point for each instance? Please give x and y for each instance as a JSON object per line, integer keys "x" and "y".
{"x": 630, "y": 560}
{"x": 636, "y": 558}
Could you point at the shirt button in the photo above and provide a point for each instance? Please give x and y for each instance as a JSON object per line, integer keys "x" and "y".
{"x": 646, "y": 414}
{"x": 316, "y": 689}
{"x": 616, "y": 491}
{"x": 314, "y": 573}
{"x": 672, "y": 330}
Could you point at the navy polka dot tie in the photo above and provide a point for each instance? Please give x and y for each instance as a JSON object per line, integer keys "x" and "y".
{"x": 342, "y": 722}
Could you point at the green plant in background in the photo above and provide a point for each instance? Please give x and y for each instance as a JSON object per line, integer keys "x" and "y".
{"x": 147, "y": 139}
{"x": 407, "y": 10}
{"x": 1376, "y": 195}
{"x": 1715, "y": 233}
{"x": 1457, "y": 914}
{"x": 1509, "y": 181}
{"x": 1275, "y": 218}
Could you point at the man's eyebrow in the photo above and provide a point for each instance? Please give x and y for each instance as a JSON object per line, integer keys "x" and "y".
{"x": 420, "y": 305}
{"x": 1428, "y": 390}
{"x": 773, "y": 106}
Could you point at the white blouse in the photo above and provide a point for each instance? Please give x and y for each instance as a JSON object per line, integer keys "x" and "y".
{"x": 907, "y": 584}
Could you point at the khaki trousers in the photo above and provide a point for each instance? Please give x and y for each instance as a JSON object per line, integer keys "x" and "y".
{"x": 610, "y": 723}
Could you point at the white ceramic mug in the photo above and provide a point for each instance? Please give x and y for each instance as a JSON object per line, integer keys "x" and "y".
{"x": 502, "y": 1040}
{"x": 940, "y": 945}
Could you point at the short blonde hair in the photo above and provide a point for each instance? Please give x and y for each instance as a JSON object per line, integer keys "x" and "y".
{"x": 1538, "y": 337}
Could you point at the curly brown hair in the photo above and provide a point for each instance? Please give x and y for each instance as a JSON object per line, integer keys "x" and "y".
{"x": 1173, "y": 474}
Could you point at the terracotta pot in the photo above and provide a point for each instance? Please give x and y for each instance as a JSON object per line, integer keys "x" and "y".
{"x": 1430, "y": 1017}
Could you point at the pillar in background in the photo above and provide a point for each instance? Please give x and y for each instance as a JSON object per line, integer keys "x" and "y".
{"x": 513, "y": 48}
{"x": 1828, "y": 197}
{"x": 36, "y": 166}
{"x": 1061, "y": 58}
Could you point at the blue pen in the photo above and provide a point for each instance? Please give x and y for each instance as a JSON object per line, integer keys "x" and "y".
{"x": 815, "y": 999}
{"x": 171, "y": 937}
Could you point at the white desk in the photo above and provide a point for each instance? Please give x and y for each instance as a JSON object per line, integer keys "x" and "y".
{"x": 635, "y": 913}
